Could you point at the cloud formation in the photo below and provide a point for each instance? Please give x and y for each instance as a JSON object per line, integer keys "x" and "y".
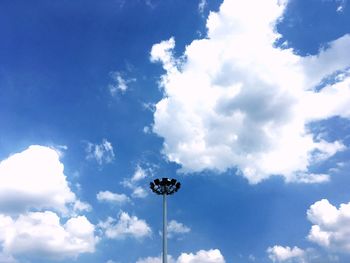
{"x": 330, "y": 230}
{"x": 286, "y": 254}
{"x": 34, "y": 180}
{"x": 125, "y": 226}
{"x": 114, "y": 198}
{"x": 133, "y": 183}
{"x": 102, "y": 153}
{"x": 139, "y": 174}
{"x": 201, "y": 6}
{"x": 40, "y": 234}
{"x": 202, "y": 256}
{"x": 236, "y": 100}
{"x": 176, "y": 228}
{"x": 119, "y": 83}
{"x": 331, "y": 225}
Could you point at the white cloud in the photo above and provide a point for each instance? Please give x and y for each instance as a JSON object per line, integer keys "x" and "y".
{"x": 115, "y": 198}
{"x": 147, "y": 130}
{"x": 34, "y": 178}
{"x": 119, "y": 83}
{"x": 340, "y": 8}
{"x": 155, "y": 260}
{"x": 310, "y": 178}
{"x": 60, "y": 149}
{"x": 202, "y": 256}
{"x": 40, "y": 234}
{"x": 7, "y": 258}
{"x": 341, "y": 4}
{"x": 80, "y": 206}
{"x": 330, "y": 230}
{"x": 163, "y": 52}
{"x": 331, "y": 225}
{"x": 126, "y": 226}
{"x": 139, "y": 174}
{"x": 139, "y": 192}
{"x": 202, "y": 5}
{"x": 175, "y": 227}
{"x": 149, "y": 106}
{"x": 286, "y": 254}
{"x": 133, "y": 183}
{"x": 102, "y": 153}
{"x": 235, "y": 100}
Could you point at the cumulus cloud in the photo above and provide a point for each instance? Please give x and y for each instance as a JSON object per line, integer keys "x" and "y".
{"x": 286, "y": 254}
{"x": 236, "y": 100}
{"x": 330, "y": 230}
{"x": 295, "y": 254}
{"x": 125, "y": 226}
{"x": 176, "y": 228}
{"x": 202, "y": 256}
{"x": 40, "y": 234}
{"x": 331, "y": 225}
{"x": 102, "y": 153}
{"x": 34, "y": 180}
{"x": 114, "y": 198}
{"x": 155, "y": 260}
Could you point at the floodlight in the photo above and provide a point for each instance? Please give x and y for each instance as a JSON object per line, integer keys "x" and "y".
{"x": 165, "y": 187}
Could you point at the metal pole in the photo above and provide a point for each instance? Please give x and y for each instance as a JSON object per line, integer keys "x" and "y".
{"x": 165, "y": 245}
{"x": 165, "y": 186}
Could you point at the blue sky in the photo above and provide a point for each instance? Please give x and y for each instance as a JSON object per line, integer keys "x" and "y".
{"x": 246, "y": 102}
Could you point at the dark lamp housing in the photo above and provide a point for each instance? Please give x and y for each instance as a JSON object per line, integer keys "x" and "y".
{"x": 165, "y": 186}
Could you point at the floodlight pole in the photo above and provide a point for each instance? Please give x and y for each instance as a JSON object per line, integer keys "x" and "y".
{"x": 165, "y": 187}
{"x": 165, "y": 232}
